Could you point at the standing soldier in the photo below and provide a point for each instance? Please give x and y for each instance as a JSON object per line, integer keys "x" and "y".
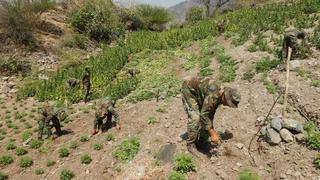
{"x": 201, "y": 98}
{"x": 105, "y": 109}
{"x": 290, "y": 39}
{"x": 48, "y": 114}
{"x": 86, "y": 83}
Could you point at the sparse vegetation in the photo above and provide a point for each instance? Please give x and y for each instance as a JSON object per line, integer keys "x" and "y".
{"x": 271, "y": 88}
{"x": 85, "y": 159}
{"x": 127, "y": 149}
{"x": 317, "y": 161}
{"x": 63, "y": 152}
{"x": 313, "y": 135}
{"x": 21, "y": 151}
{"x": 5, "y": 160}
{"x": 39, "y": 171}
{"x": 97, "y": 146}
{"x": 66, "y": 174}
{"x": 73, "y": 145}
{"x": 248, "y": 175}
{"x": 227, "y": 65}
{"x": 25, "y": 162}
{"x": 3, "y": 176}
{"x": 84, "y": 138}
{"x": 265, "y": 64}
{"x": 152, "y": 120}
{"x": 183, "y": 163}
{"x": 11, "y": 146}
{"x": 26, "y": 135}
{"x": 50, "y": 163}
{"x": 35, "y": 144}
{"x": 174, "y": 175}
{"x": 205, "y": 56}
{"x": 109, "y": 137}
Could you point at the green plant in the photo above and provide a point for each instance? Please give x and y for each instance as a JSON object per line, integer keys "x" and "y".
{"x": 174, "y": 175}
{"x": 73, "y": 145}
{"x": 63, "y": 152}
{"x": 25, "y": 135}
{"x": 109, "y": 137}
{"x": 66, "y": 174}
{"x": 5, "y": 160}
{"x": 11, "y": 146}
{"x": 35, "y": 144}
{"x": 2, "y": 137}
{"x": 127, "y": 149}
{"x": 3, "y": 176}
{"x": 227, "y": 65}
{"x": 184, "y": 163}
{"x": 75, "y": 41}
{"x": 271, "y": 88}
{"x": 317, "y": 161}
{"x": 84, "y": 138}
{"x": 152, "y": 120}
{"x": 39, "y": 171}
{"x": 248, "y": 175}
{"x": 249, "y": 74}
{"x": 85, "y": 159}
{"x": 313, "y": 135}
{"x": 50, "y": 163}
{"x": 21, "y": 151}
{"x": 97, "y": 146}
{"x": 161, "y": 110}
{"x": 265, "y": 64}
{"x": 194, "y": 14}
{"x": 25, "y": 162}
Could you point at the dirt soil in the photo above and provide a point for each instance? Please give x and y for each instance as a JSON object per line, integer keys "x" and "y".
{"x": 286, "y": 161}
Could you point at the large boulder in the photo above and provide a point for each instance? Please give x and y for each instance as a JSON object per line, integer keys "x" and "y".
{"x": 286, "y": 135}
{"x": 273, "y": 137}
{"x": 166, "y": 153}
{"x": 292, "y": 125}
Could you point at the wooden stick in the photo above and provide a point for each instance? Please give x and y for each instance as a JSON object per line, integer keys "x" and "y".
{"x": 285, "y": 102}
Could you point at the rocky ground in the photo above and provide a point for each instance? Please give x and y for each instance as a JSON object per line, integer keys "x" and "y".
{"x": 283, "y": 161}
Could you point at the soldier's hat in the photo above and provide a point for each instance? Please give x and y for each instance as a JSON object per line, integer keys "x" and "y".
{"x": 87, "y": 68}
{"x": 232, "y": 96}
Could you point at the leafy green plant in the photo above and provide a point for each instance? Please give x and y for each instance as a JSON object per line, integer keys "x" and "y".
{"x": 50, "y": 163}
{"x": 271, "y": 88}
{"x": 248, "y": 175}
{"x": 194, "y": 14}
{"x": 35, "y": 144}
{"x": 161, "y": 110}
{"x": 73, "y": 145}
{"x": 152, "y": 120}
{"x": 11, "y": 146}
{"x": 85, "y": 159}
{"x": 66, "y": 174}
{"x": 313, "y": 135}
{"x": 5, "y": 160}
{"x": 249, "y": 74}
{"x": 174, "y": 175}
{"x": 21, "y": 151}
{"x": 25, "y": 162}
{"x": 265, "y": 64}
{"x": 63, "y": 152}
{"x": 97, "y": 146}
{"x": 227, "y": 65}
{"x": 184, "y": 163}
{"x": 2, "y": 137}
{"x": 3, "y": 176}
{"x": 109, "y": 137}
{"x": 25, "y": 135}
{"x": 84, "y": 138}
{"x": 127, "y": 149}
{"x": 317, "y": 161}
{"x": 39, "y": 171}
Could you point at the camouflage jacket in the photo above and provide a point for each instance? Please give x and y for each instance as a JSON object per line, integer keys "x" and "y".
{"x": 86, "y": 78}
{"x": 292, "y": 36}
{"x": 106, "y": 110}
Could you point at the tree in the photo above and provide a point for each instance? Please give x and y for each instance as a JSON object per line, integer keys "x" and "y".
{"x": 207, "y": 4}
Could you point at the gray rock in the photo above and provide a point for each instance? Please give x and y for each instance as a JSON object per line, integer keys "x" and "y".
{"x": 263, "y": 131}
{"x": 295, "y": 64}
{"x": 292, "y": 125}
{"x": 259, "y": 121}
{"x": 276, "y": 123}
{"x": 273, "y": 137}
{"x": 286, "y": 135}
{"x": 300, "y": 137}
{"x": 166, "y": 153}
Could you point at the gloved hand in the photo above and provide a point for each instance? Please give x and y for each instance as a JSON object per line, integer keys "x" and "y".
{"x": 214, "y": 136}
{"x": 118, "y": 127}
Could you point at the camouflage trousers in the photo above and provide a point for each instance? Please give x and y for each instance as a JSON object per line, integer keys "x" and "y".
{"x": 99, "y": 125}
{"x": 86, "y": 92}
{"x": 43, "y": 125}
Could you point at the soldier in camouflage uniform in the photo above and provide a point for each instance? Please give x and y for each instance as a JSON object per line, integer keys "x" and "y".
{"x": 132, "y": 72}
{"x": 221, "y": 26}
{"x": 201, "y": 97}
{"x": 86, "y": 84}
{"x": 105, "y": 109}
{"x": 72, "y": 83}
{"x": 48, "y": 114}
{"x": 290, "y": 39}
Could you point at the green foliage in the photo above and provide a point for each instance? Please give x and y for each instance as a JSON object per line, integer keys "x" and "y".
{"x": 25, "y": 135}
{"x": 313, "y": 135}
{"x": 66, "y": 174}
{"x": 75, "y": 40}
{"x": 309, "y": 76}
{"x": 25, "y": 162}
{"x": 3, "y": 176}
{"x": 85, "y": 159}
{"x": 190, "y": 60}
{"x": 176, "y": 176}
{"x": 84, "y": 138}
{"x": 265, "y": 64}
{"x": 184, "y": 163}
{"x": 194, "y": 14}
{"x": 109, "y": 137}
{"x": 50, "y": 163}
{"x": 316, "y": 161}
{"x": 227, "y": 65}
{"x": 205, "y": 56}
{"x": 39, "y": 171}
{"x": 97, "y": 146}
{"x": 315, "y": 39}
{"x": 43, "y": 5}
{"x": 127, "y": 149}
{"x": 63, "y": 152}
{"x": 5, "y": 160}
{"x": 11, "y": 146}
{"x": 21, "y": 151}
{"x": 271, "y": 88}
{"x": 259, "y": 43}
{"x": 161, "y": 110}
{"x": 2, "y": 137}
{"x": 35, "y": 144}
{"x": 11, "y": 66}
{"x": 73, "y": 145}
{"x": 152, "y": 120}
{"x": 248, "y": 175}
{"x": 249, "y": 74}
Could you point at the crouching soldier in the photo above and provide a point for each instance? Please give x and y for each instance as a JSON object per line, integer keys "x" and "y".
{"x": 201, "y": 98}
{"x": 72, "y": 83}
{"x": 291, "y": 39}
{"x": 105, "y": 110}
{"x": 132, "y": 72}
{"x": 48, "y": 114}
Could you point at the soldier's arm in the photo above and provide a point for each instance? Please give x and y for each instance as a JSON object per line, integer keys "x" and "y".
{"x": 115, "y": 114}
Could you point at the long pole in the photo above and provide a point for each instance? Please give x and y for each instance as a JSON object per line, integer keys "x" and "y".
{"x": 285, "y": 102}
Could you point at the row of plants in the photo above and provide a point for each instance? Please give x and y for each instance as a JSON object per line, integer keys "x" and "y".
{"x": 206, "y": 52}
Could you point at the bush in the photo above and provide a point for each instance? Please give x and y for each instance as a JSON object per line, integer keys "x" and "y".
{"x": 85, "y": 159}
{"x": 195, "y": 14}
{"x": 11, "y": 66}
{"x": 248, "y": 175}
{"x": 317, "y": 161}
{"x": 97, "y": 146}
{"x": 39, "y": 171}
{"x": 265, "y": 64}
{"x": 176, "y": 176}
{"x": 35, "y": 144}
{"x": 73, "y": 145}
{"x": 21, "y": 151}
{"x": 63, "y": 152}
{"x": 184, "y": 163}
{"x": 3, "y": 176}
{"x": 84, "y": 138}
{"x": 5, "y": 160}
{"x": 66, "y": 174}
{"x": 11, "y": 146}
{"x": 25, "y": 162}
{"x": 127, "y": 149}
{"x": 109, "y": 137}
{"x": 25, "y": 135}
{"x": 50, "y": 163}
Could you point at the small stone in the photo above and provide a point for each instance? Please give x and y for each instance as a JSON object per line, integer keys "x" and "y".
{"x": 167, "y": 125}
{"x": 286, "y": 135}
{"x": 239, "y": 145}
{"x": 276, "y": 123}
{"x": 293, "y": 125}
{"x": 300, "y": 137}
{"x": 260, "y": 121}
{"x": 283, "y": 176}
{"x": 263, "y": 131}
{"x": 238, "y": 164}
{"x": 289, "y": 172}
{"x": 295, "y": 64}
{"x": 297, "y": 174}
{"x": 273, "y": 137}
{"x": 5, "y": 78}
{"x": 87, "y": 171}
